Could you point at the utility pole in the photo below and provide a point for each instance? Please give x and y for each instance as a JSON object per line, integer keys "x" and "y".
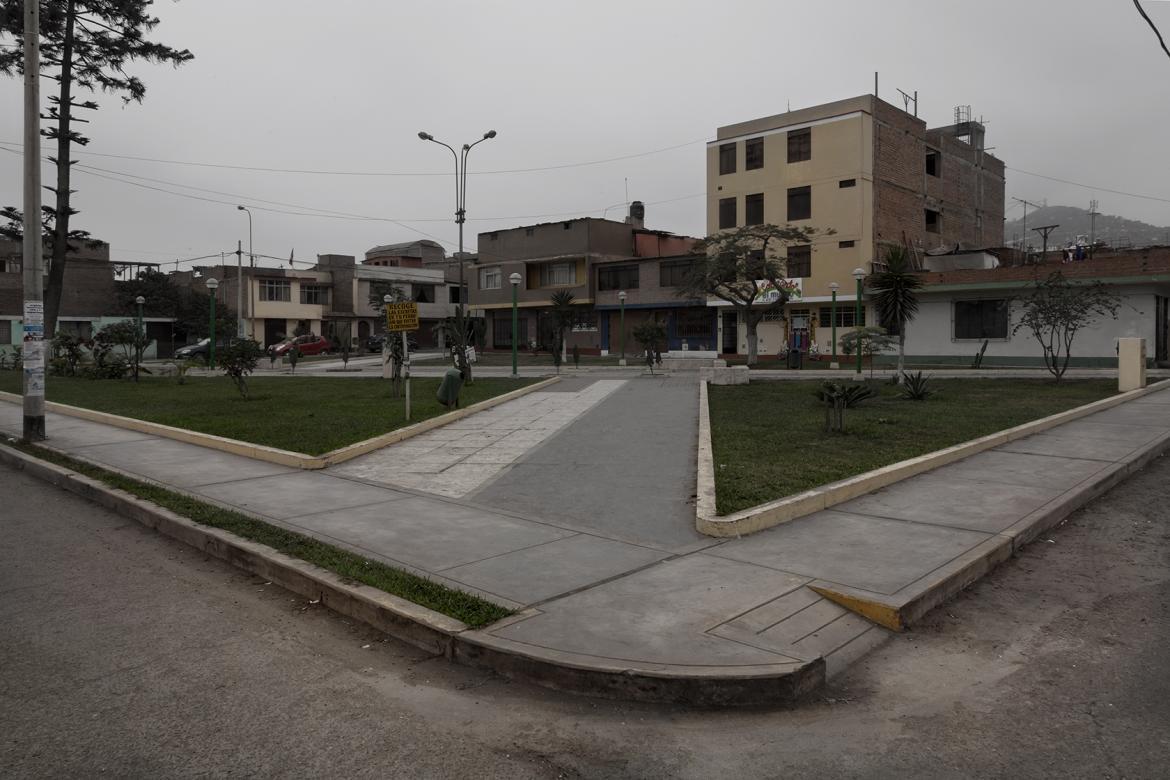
{"x": 1024, "y": 233}
{"x": 1092, "y": 226}
{"x": 1044, "y": 231}
{"x": 33, "y": 249}
{"x": 240, "y": 327}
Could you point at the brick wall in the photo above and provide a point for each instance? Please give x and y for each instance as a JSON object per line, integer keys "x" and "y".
{"x": 1153, "y": 263}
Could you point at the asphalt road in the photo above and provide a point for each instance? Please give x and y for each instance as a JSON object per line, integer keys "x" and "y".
{"x": 125, "y": 654}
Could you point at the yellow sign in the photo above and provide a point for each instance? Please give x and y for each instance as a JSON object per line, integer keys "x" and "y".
{"x": 401, "y": 316}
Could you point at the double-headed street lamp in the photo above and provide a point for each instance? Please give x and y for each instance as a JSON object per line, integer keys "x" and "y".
{"x": 833, "y": 362}
{"x": 859, "y": 275}
{"x": 460, "y": 218}
{"x": 240, "y": 328}
{"x": 515, "y": 279}
{"x": 212, "y": 283}
{"x": 138, "y": 337}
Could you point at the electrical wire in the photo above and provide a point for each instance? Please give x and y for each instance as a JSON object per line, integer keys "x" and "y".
{"x": 1153, "y": 26}
{"x": 1089, "y": 186}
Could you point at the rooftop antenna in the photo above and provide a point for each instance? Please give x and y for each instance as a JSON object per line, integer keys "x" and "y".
{"x": 908, "y": 99}
{"x": 627, "y": 181}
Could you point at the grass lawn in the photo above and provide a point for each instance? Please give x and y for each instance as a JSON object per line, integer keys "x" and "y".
{"x": 312, "y": 415}
{"x": 769, "y": 440}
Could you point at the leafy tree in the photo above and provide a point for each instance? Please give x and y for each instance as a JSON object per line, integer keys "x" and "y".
{"x": 239, "y": 359}
{"x": 650, "y": 334}
{"x": 746, "y": 268}
{"x": 85, "y": 45}
{"x": 562, "y": 306}
{"x": 872, "y": 340}
{"x": 895, "y": 296}
{"x": 1057, "y": 310}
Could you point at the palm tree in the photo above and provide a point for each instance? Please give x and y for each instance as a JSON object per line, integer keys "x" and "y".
{"x": 562, "y": 304}
{"x": 895, "y": 297}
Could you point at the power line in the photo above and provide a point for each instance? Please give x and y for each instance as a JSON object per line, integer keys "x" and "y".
{"x": 1089, "y": 186}
{"x": 1153, "y": 27}
{"x": 317, "y": 172}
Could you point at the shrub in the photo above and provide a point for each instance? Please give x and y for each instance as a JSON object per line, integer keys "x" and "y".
{"x": 239, "y": 359}
{"x": 852, "y": 393}
{"x": 916, "y": 387}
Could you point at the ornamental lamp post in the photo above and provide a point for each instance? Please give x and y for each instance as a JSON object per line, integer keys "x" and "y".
{"x": 622, "y": 326}
{"x": 240, "y": 326}
{"x": 859, "y": 275}
{"x": 515, "y": 279}
{"x": 212, "y": 283}
{"x": 833, "y": 362}
{"x": 138, "y": 337}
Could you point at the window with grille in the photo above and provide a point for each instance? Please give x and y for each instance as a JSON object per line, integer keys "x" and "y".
{"x": 846, "y": 315}
{"x": 695, "y": 324}
{"x": 753, "y": 154}
{"x": 502, "y": 331}
{"x": 726, "y": 213}
{"x": 726, "y": 159}
{"x": 490, "y": 278}
{"x": 622, "y": 277}
{"x": 78, "y": 329}
{"x": 314, "y": 294}
{"x": 800, "y": 145}
{"x": 584, "y": 320}
{"x": 984, "y": 319}
{"x": 799, "y": 203}
{"x": 276, "y": 290}
{"x": 5, "y": 331}
{"x": 558, "y": 274}
{"x": 799, "y": 261}
{"x": 753, "y": 209}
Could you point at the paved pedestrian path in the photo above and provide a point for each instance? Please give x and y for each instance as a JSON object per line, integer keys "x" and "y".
{"x": 602, "y": 587}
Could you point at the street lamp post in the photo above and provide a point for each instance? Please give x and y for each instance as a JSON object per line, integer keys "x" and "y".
{"x": 859, "y": 275}
{"x": 460, "y": 218}
{"x": 515, "y": 279}
{"x": 138, "y": 337}
{"x": 212, "y": 283}
{"x": 833, "y": 362}
{"x": 240, "y": 327}
{"x": 622, "y": 326}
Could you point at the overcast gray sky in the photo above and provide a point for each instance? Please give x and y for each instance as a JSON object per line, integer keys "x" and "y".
{"x": 1073, "y": 89}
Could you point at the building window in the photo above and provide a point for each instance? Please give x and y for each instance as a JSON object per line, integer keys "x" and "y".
{"x": 800, "y": 145}
{"x": 986, "y": 319}
{"x": 5, "y": 331}
{"x": 694, "y": 324}
{"x": 502, "y": 331}
{"x": 558, "y": 274}
{"x": 315, "y": 294}
{"x": 727, "y": 216}
{"x": 673, "y": 273}
{"x": 12, "y": 266}
{"x": 753, "y": 154}
{"x": 799, "y": 261}
{"x": 799, "y": 203}
{"x": 846, "y": 315}
{"x": 753, "y": 209}
{"x": 773, "y": 315}
{"x": 567, "y": 225}
{"x": 453, "y": 294}
{"x": 490, "y": 278}
{"x": 276, "y": 290}
{"x": 584, "y": 320}
{"x": 424, "y": 293}
{"x": 933, "y": 163}
{"x": 78, "y": 329}
{"x": 933, "y": 221}
{"x": 844, "y": 183}
{"x": 846, "y": 244}
{"x": 620, "y": 277}
{"x": 726, "y": 159}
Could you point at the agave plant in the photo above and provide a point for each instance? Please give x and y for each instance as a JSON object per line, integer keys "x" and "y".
{"x": 916, "y": 387}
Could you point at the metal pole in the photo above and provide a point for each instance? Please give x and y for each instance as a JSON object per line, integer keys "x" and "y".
{"x": 34, "y": 308}
{"x": 515, "y": 329}
{"x": 241, "y": 327}
{"x": 138, "y": 339}
{"x": 833, "y": 363}
{"x": 622, "y": 334}
{"x": 857, "y": 324}
{"x": 211, "y": 343}
{"x": 406, "y": 370}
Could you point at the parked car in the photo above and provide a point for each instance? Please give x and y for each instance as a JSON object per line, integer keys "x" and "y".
{"x": 306, "y": 345}
{"x": 199, "y": 350}
{"x": 375, "y": 341}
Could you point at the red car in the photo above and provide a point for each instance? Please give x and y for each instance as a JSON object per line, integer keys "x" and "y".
{"x": 306, "y": 345}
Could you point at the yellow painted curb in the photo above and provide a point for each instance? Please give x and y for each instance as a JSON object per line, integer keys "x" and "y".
{"x": 882, "y": 614}
{"x": 783, "y": 510}
{"x": 274, "y": 454}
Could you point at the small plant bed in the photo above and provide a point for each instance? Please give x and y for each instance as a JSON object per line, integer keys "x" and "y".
{"x": 310, "y": 415}
{"x": 769, "y": 439}
{"x": 472, "y": 610}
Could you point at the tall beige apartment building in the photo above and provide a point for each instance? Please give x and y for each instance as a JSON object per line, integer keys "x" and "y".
{"x": 871, "y": 172}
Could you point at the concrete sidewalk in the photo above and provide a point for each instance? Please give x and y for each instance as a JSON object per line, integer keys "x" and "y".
{"x": 625, "y": 590}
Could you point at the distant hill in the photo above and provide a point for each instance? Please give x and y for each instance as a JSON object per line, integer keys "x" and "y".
{"x": 1073, "y": 221}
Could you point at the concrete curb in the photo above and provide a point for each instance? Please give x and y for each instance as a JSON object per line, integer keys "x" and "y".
{"x": 783, "y": 510}
{"x": 274, "y": 454}
{"x": 906, "y": 607}
{"x": 445, "y": 636}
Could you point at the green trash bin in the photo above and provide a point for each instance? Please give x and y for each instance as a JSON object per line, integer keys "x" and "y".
{"x": 449, "y": 388}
